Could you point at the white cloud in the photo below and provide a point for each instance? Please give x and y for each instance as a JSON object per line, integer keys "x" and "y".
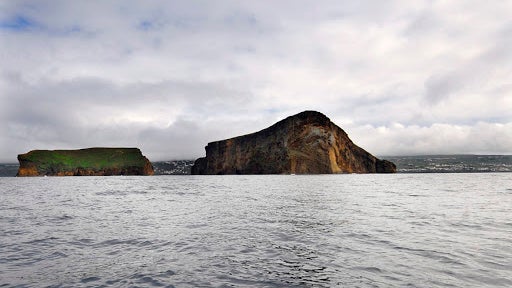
{"x": 398, "y": 139}
{"x": 85, "y": 73}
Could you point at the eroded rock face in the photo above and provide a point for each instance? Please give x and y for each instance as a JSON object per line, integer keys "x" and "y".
{"x": 306, "y": 143}
{"x": 84, "y": 162}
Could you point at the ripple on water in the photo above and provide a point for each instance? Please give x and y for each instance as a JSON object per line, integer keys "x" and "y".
{"x": 257, "y": 231}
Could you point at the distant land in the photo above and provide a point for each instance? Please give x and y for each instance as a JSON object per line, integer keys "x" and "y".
{"x": 405, "y": 164}
{"x": 305, "y": 143}
{"x": 452, "y": 163}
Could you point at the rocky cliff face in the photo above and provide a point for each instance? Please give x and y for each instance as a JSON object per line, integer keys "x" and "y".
{"x": 306, "y": 143}
{"x": 84, "y": 162}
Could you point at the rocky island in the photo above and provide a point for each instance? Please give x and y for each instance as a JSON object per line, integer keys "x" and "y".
{"x": 306, "y": 143}
{"x": 84, "y": 162}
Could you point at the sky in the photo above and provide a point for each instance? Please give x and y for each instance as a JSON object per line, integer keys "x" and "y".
{"x": 400, "y": 77}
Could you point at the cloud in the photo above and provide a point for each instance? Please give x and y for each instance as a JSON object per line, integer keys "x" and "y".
{"x": 397, "y": 139}
{"x": 86, "y": 112}
{"x": 86, "y": 73}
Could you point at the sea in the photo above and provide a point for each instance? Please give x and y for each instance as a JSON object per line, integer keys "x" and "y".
{"x": 350, "y": 230}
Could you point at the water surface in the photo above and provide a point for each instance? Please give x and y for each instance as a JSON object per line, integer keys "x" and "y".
{"x": 416, "y": 230}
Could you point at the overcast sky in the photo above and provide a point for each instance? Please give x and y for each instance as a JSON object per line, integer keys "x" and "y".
{"x": 400, "y": 77}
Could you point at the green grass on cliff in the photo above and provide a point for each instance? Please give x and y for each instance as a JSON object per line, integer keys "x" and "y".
{"x": 92, "y": 158}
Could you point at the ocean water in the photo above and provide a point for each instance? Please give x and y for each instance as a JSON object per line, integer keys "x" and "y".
{"x": 400, "y": 230}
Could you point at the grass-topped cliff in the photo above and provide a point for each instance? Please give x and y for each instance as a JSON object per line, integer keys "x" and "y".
{"x": 90, "y": 161}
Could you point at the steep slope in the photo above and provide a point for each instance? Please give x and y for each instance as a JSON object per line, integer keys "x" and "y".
{"x": 306, "y": 143}
{"x": 84, "y": 162}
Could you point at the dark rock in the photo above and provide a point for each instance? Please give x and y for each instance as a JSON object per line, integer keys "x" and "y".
{"x": 199, "y": 167}
{"x": 306, "y": 143}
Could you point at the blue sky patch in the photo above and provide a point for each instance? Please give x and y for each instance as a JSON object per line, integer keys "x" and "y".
{"x": 145, "y": 25}
{"x": 18, "y": 23}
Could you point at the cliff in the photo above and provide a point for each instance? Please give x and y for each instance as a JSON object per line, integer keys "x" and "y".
{"x": 306, "y": 143}
{"x": 84, "y": 162}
